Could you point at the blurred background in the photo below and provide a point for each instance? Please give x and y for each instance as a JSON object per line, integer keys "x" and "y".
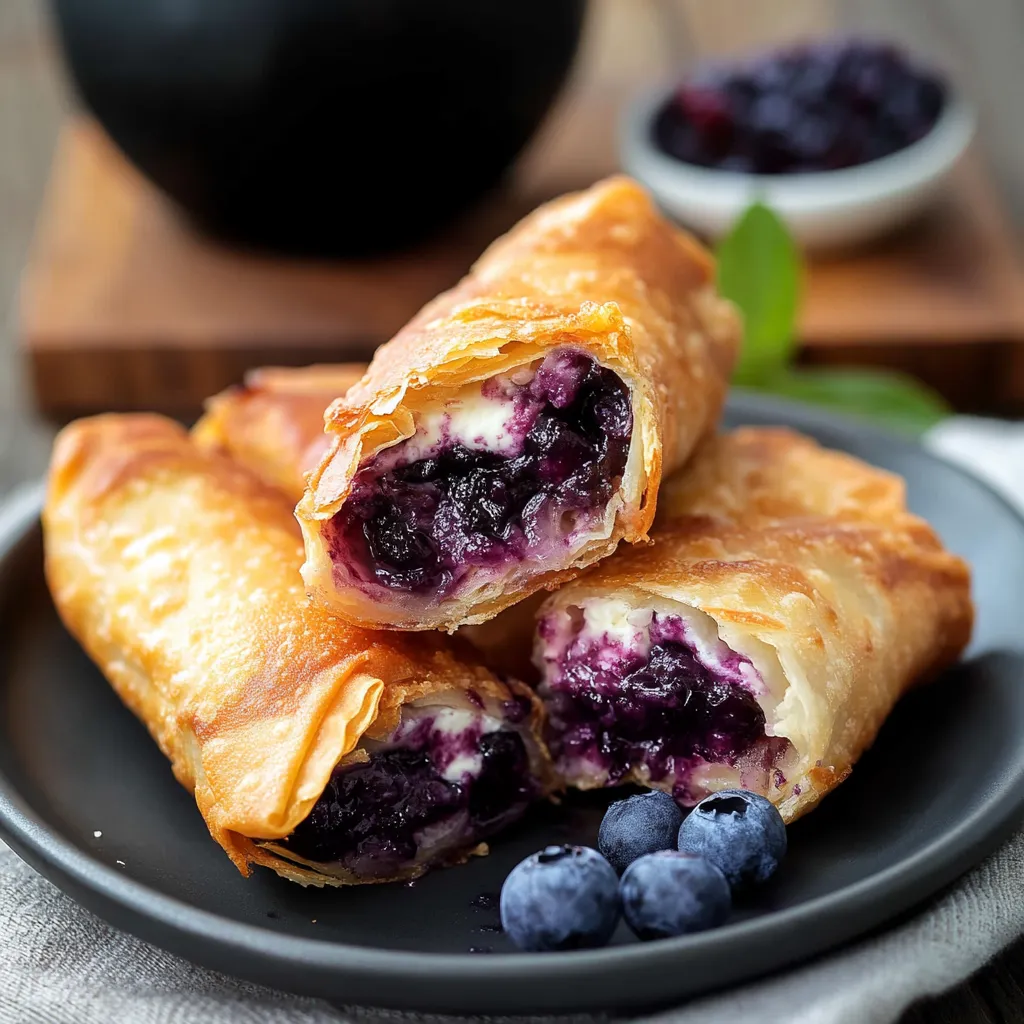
{"x": 192, "y": 187}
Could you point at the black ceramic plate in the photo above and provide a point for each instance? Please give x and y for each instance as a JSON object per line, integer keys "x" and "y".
{"x": 943, "y": 784}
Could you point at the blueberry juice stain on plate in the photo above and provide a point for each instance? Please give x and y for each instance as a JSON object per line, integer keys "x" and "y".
{"x": 486, "y": 907}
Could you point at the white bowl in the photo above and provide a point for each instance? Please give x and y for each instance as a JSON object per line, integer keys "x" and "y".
{"x": 823, "y": 209}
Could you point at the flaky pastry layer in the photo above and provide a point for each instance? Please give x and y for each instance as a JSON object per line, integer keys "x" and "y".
{"x": 273, "y": 424}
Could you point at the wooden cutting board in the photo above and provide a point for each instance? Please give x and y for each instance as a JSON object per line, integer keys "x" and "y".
{"x": 124, "y": 306}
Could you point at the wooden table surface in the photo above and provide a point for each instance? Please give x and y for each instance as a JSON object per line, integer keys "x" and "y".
{"x": 981, "y": 40}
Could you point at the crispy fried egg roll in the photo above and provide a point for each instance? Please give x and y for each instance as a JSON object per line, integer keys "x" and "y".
{"x": 273, "y": 424}
{"x": 518, "y": 427}
{"x": 328, "y": 753}
{"x": 788, "y": 600}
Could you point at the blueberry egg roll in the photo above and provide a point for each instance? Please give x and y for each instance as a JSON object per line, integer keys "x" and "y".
{"x": 518, "y": 427}
{"x": 788, "y": 600}
{"x": 331, "y": 754}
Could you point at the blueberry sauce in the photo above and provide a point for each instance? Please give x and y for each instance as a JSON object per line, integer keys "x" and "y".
{"x": 372, "y": 816}
{"x": 419, "y": 525}
{"x": 659, "y": 705}
{"x": 806, "y": 108}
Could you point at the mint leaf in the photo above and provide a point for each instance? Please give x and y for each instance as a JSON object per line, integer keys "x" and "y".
{"x": 884, "y": 396}
{"x": 759, "y": 269}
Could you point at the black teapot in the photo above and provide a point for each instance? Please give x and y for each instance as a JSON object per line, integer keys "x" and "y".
{"x": 332, "y": 126}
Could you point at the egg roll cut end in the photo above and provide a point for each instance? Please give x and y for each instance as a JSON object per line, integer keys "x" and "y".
{"x": 450, "y": 774}
{"x": 641, "y": 690}
{"x": 500, "y": 481}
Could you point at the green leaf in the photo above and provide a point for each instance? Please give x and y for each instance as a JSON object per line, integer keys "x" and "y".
{"x": 759, "y": 269}
{"x": 886, "y": 397}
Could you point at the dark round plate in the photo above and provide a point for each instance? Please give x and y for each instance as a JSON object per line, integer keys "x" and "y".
{"x": 943, "y": 784}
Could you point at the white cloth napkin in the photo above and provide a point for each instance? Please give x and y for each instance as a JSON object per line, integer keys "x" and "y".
{"x": 59, "y": 963}
{"x": 991, "y": 449}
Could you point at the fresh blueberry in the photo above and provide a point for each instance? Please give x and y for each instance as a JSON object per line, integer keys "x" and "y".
{"x": 670, "y": 893}
{"x": 565, "y": 897}
{"x": 639, "y": 825}
{"x": 740, "y": 832}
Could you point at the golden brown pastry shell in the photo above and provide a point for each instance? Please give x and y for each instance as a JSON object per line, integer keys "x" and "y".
{"x": 273, "y": 423}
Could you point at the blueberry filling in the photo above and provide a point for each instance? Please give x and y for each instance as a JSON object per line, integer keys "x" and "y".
{"x": 419, "y": 524}
{"x": 372, "y": 816}
{"x": 620, "y": 707}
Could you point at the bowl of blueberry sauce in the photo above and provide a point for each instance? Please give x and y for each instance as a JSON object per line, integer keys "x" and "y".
{"x": 846, "y": 140}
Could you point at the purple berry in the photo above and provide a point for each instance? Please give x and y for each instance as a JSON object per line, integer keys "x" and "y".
{"x": 565, "y": 897}
{"x": 671, "y": 893}
{"x": 806, "y": 108}
{"x": 740, "y": 832}
{"x": 638, "y": 825}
